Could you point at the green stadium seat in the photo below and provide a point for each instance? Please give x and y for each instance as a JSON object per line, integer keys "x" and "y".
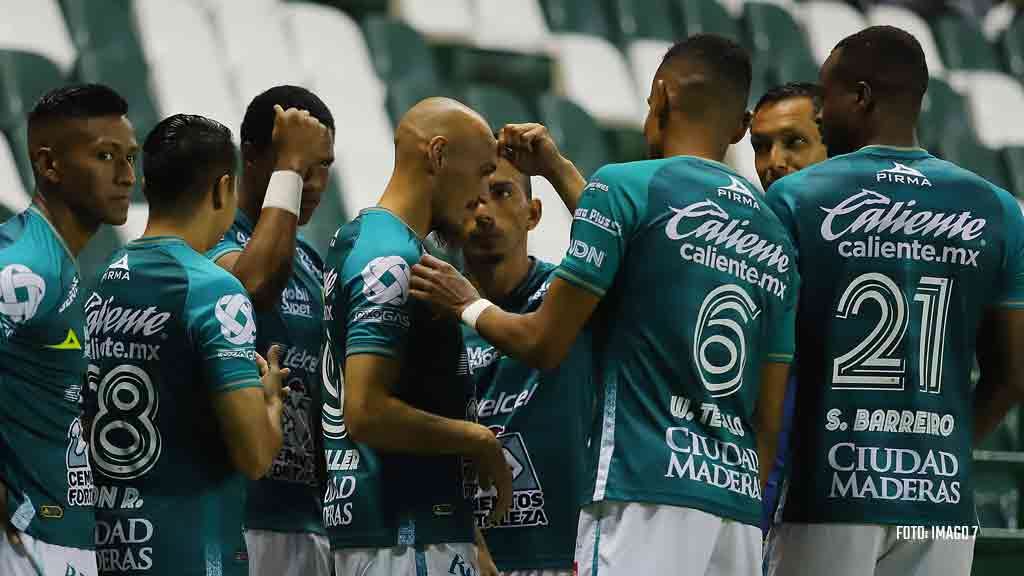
{"x": 706, "y": 16}
{"x": 963, "y": 45}
{"x": 963, "y": 149}
{"x": 778, "y": 39}
{"x": 1014, "y": 158}
{"x": 498, "y": 106}
{"x": 24, "y": 77}
{"x": 1007, "y": 436}
{"x": 17, "y": 138}
{"x": 998, "y": 480}
{"x": 1013, "y": 47}
{"x": 13, "y": 193}
{"x": 100, "y": 24}
{"x": 398, "y": 51}
{"x": 627, "y": 145}
{"x": 635, "y": 19}
{"x": 357, "y": 8}
{"x": 526, "y": 74}
{"x": 943, "y": 113}
{"x": 577, "y": 134}
{"x": 403, "y": 94}
{"x": 998, "y": 551}
{"x": 578, "y": 16}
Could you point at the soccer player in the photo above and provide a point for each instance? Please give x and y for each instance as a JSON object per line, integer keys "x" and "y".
{"x": 784, "y": 131}
{"x": 786, "y": 138}
{"x": 280, "y": 189}
{"x": 541, "y": 417}
{"x": 398, "y": 436}
{"x": 83, "y": 152}
{"x": 908, "y": 253}
{"x": 698, "y": 282}
{"x": 177, "y": 408}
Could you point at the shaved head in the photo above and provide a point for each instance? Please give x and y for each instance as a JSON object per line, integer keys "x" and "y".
{"x": 433, "y": 118}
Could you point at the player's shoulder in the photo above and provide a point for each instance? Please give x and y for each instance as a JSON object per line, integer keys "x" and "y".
{"x": 948, "y": 174}
{"x": 376, "y": 237}
{"x": 27, "y": 239}
{"x": 233, "y": 240}
{"x": 205, "y": 279}
{"x": 634, "y": 175}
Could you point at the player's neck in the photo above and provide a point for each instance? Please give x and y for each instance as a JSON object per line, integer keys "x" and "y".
{"x": 192, "y": 233}
{"x": 497, "y": 280}
{"x": 403, "y": 199}
{"x": 892, "y": 134}
{"x": 693, "y": 143}
{"x": 250, "y": 200}
{"x": 75, "y": 232}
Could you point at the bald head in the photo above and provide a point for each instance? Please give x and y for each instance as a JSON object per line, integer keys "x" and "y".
{"x": 444, "y": 118}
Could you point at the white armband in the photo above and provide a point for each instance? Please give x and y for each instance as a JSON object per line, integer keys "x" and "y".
{"x": 284, "y": 191}
{"x": 471, "y": 313}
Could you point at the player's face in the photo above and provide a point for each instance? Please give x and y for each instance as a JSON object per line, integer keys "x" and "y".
{"x": 839, "y": 115}
{"x": 314, "y": 181}
{"x": 465, "y": 179}
{"x": 786, "y": 138}
{"x": 97, "y": 168}
{"x": 502, "y": 217}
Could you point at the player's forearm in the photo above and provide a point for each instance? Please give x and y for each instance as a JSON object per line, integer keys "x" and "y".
{"x": 568, "y": 182}
{"x": 391, "y": 425}
{"x": 266, "y": 263}
{"x": 520, "y": 336}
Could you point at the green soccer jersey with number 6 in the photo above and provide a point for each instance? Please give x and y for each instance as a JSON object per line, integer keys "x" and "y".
{"x": 901, "y": 255}
{"x": 169, "y": 332}
{"x": 698, "y": 280}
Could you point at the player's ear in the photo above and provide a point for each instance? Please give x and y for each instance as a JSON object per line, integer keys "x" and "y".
{"x": 223, "y": 190}
{"x": 744, "y": 126}
{"x": 865, "y": 97}
{"x": 536, "y": 211}
{"x": 437, "y": 154}
{"x": 45, "y": 164}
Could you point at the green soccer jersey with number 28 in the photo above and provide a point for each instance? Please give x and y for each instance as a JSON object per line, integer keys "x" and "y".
{"x": 698, "y": 280}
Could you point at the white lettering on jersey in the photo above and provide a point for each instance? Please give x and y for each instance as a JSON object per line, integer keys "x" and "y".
{"x": 716, "y": 227}
{"x": 871, "y": 212}
{"x": 102, "y": 317}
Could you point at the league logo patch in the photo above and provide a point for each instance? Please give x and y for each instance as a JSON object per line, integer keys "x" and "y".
{"x": 234, "y": 312}
{"x": 21, "y": 292}
{"x": 386, "y": 280}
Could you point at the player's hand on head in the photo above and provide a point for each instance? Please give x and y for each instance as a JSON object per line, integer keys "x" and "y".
{"x": 439, "y": 284}
{"x": 530, "y": 148}
{"x": 272, "y": 376}
{"x": 493, "y": 471}
{"x": 295, "y": 137}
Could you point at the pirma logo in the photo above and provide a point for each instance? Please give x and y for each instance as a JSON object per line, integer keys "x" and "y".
{"x": 21, "y": 292}
{"x": 234, "y": 312}
{"x": 386, "y": 280}
{"x": 903, "y": 174}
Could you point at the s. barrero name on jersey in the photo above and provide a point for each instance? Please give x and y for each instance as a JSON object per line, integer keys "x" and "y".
{"x": 762, "y": 264}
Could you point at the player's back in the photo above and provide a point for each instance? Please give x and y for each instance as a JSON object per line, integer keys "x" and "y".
{"x": 169, "y": 331}
{"x": 700, "y": 273}
{"x": 901, "y": 254}
{"x": 43, "y": 460}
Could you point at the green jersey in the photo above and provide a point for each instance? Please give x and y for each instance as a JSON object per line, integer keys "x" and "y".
{"x": 169, "y": 331}
{"x": 698, "y": 280}
{"x": 543, "y": 420}
{"x": 907, "y": 253}
{"x": 287, "y": 499}
{"x": 380, "y": 500}
{"x": 44, "y": 461}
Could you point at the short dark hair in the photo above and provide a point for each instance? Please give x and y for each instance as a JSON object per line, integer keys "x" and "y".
{"x": 793, "y": 90}
{"x": 180, "y": 157}
{"x": 723, "y": 59}
{"x": 77, "y": 101}
{"x": 258, "y": 124}
{"x": 889, "y": 59}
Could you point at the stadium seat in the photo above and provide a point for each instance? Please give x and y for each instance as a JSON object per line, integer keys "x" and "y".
{"x": 38, "y": 27}
{"x": 126, "y": 72}
{"x": 100, "y": 24}
{"x": 575, "y": 132}
{"x": 398, "y": 52}
{"x": 510, "y": 26}
{"x": 826, "y": 22}
{"x": 403, "y": 94}
{"x": 706, "y": 16}
{"x": 645, "y": 57}
{"x": 550, "y": 239}
{"x": 1014, "y": 159}
{"x": 774, "y": 33}
{"x": 24, "y": 77}
{"x": 441, "y": 20}
{"x": 358, "y": 8}
{"x": 499, "y": 107}
{"x": 1006, "y": 436}
{"x": 577, "y": 16}
{"x": 526, "y": 74}
{"x": 997, "y": 491}
{"x": 990, "y": 95}
{"x": 641, "y": 20}
{"x": 943, "y": 114}
{"x": 13, "y": 195}
{"x": 187, "y": 74}
{"x": 963, "y": 149}
{"x": 592, "y": 73}
{"x": 998, "y": 19}
{"x": 893, "y": 15}
{"x": 1013, "y": 48}
{"x": 627, "y": 144}
{"x": 963, "y": 46}
{"x": 257, "y": 51}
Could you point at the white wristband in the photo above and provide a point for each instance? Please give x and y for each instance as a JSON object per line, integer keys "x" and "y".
{"x": 284, "y": 191}
{"x": 471, "y": 313}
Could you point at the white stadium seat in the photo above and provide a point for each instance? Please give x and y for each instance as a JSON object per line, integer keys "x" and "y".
{"x": 990, "y": 97}
{"x": 741, "y": 157}
{"x": 138, "y": 214}
{"x": 186, "y": 72}
{"x": 900, "y": 17}
{"x": 517, "y": 26}
{"x": 447, "y": 20}
{"x": 13, "y": 196}
{"x": 550, "y": 240}
{"x": 37, "y": 26}
{"x": 644, "y": 59}
{"x": 591, "y": 72}
{"x": 998, "y": 19}
{"x": 826, "y": 22}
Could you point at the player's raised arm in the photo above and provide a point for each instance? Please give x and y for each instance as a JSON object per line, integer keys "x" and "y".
{"x": 533, "y": 151}
{"x": 265, "y": 263}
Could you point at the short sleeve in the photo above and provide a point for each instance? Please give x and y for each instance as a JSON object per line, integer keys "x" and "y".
{"x": 781, "y": 200}
{"x": 780, "y": 326}
{"x": 223, "y": 332}
{"x": 378, "y": 306}
{"x": 228, "y": 243}
{"x": 1012, "y": 289}
{"x": 604, "y": 221}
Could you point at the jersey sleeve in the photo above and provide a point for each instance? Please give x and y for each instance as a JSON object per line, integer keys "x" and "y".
{"x": 222, "y": 329}
{"x": 780, "y": 326}
{"x": 377, "y": 304}
{"x": 781, "y": 200}
{"x": 30, "y": 287}
{"x": 604, "y": 221}
{"x": 228, "y": 243}
{"x": 1012, "y": 289}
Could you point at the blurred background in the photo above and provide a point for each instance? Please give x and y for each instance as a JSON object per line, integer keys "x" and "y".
{"x": 582, "y": 67}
